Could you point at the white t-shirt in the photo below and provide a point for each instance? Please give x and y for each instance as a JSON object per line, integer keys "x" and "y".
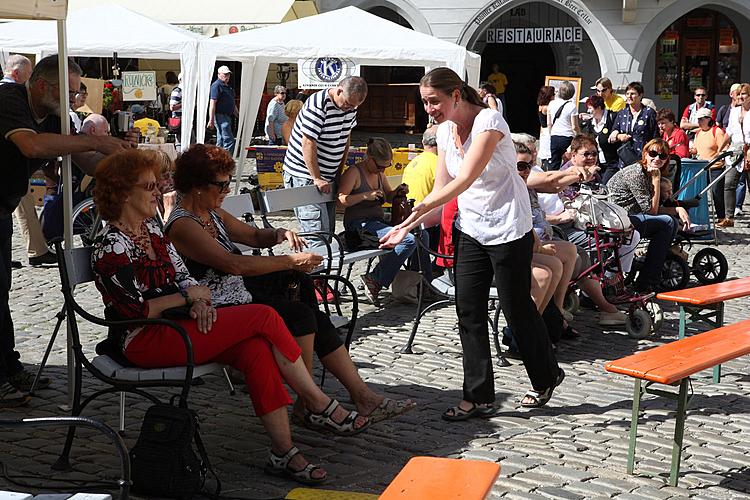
{"x": 495, "y": 209}
{"x": 562, "y": 125}
{"x": 549, "y": 202}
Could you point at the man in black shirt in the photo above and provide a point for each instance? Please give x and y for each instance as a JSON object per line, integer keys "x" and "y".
{"x": 29, "y": 136}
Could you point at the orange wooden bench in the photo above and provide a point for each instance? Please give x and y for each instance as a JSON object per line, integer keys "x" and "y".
{"x": 673, "y": 364}
{"x": 706, "y": 303}
{"x": 437, "y": 478}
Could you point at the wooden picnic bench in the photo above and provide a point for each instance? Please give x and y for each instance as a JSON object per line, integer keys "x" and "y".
{"x": 673, "y": 364}
{"x": 706, "y": 303}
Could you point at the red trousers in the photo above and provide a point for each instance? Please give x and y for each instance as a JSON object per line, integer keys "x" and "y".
{"x": 242, "y": 337}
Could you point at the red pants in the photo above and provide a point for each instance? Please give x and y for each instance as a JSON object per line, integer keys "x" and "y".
{"x": 242, "y": 337}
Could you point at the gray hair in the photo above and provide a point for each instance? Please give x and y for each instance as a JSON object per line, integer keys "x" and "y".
{"x": 379, "y": 149}
{"x": 527, "y": 140}
{"x": 48, "y": 70}
{"x": 521, "y": 148}
{"x": 429, "y": 138}
{"x": 354, "y": 86}
{"x": 15, "y": 63}
{"x": 566, "y": 90}
{"x": 279, "y": 89}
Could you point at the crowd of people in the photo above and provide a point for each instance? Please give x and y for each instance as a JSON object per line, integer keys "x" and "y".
{"x": 493, "y": 197}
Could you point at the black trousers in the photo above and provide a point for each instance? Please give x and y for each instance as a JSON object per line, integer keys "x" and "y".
{"x": 9, "y": 357}
{"x": 509, "y": 264}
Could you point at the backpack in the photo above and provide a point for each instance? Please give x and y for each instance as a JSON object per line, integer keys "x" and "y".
{"x": 163, "y": 461}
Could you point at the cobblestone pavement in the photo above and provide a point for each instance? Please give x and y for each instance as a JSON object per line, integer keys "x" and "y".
{"x": 576, "y": 447}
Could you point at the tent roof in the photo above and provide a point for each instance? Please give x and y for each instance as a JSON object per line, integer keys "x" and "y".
{"x": 28, "y": 9}
{"x": 98, "y": 32}
{"x": 349, "y": 32}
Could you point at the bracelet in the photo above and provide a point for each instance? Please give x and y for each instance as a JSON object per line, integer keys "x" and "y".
{"x": 201, "y": 299}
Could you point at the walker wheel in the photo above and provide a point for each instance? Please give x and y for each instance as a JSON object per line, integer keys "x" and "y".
{"x": 639, "y": 324}
{"x": 572, "y": 303}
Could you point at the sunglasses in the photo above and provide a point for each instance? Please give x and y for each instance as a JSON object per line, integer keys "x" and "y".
{"x": 654, "y": 153}
{"x": 589, "y": 154}
{"x": 222, "y": 185}
{"x": 146, "y": 186}
{"x": 700, "y": 95}
{"x": 523, "y": 165}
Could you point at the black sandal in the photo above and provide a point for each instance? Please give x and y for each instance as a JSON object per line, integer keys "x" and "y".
{"x": 570, "y": 333}
{"x": 456, "y": 413}
{"x": 541, "y": 398}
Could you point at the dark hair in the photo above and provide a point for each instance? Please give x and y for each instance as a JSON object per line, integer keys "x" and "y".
{"x": 546, "y": 94}
{"x": 661, "y": 144}
{"x": 582, "y": 140}
{"x": 446, "y": 81}
{"x": 595, "y": 101}
{"x": 48, "y": 70}
{"x": 665, "y": 114}
{"x": 171, "y": 78}
{"x": 489, "y": 88}
{"x": 637, "y": 86}
{"x": 199, "y": 165}
{"x": 115, "y": 176}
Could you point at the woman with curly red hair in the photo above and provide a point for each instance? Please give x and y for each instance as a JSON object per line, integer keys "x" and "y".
{"x": 140, "y": 275}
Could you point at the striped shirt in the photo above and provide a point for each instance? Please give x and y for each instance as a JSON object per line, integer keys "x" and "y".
{"x": 323, "y": 122}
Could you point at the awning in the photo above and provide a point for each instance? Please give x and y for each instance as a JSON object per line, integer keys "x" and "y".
{"x": 33, "y": 9}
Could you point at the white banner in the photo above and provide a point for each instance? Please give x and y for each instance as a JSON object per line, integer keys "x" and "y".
{"x": 139, "y": 85}
{"x": 324, "y": 72}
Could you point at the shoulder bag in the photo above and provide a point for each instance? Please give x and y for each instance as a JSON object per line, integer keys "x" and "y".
{"x": 627, "y": 152}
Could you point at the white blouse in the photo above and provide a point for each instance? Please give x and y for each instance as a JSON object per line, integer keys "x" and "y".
{"x": 735, "y": 129}
{"x": 495, "y": 209}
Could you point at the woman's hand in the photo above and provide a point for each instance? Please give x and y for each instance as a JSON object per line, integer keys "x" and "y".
{"x": 295, "y": 242}
{"x": 198, "y": 292}
{"x": 684, "y": 218}
{"x": 204, "y": 314}
{"x": 624, "y": 137}
{"x": 548, "y": 249}
{"x": 374, "y": 195}
{"x": 305, "y": 262}
{"x": 397, "y": 233}
{"x": 654, "y": 172}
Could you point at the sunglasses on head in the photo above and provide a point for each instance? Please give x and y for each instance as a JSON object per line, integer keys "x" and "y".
{"x": 523, "y": 165}
{"x": 654, "y": 153}
{"x": 222, "y": 185}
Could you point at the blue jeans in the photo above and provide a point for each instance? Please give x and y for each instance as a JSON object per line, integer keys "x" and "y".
{"x": 224, "y": 134}
{"x": 320, "y": 217}
{"x": 660, "y": 230}
{"x": 741, "y": 189}
{"x": 385, "y": 272}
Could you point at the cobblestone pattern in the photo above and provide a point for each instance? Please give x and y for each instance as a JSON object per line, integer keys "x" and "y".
{"x": 576, "y": 447}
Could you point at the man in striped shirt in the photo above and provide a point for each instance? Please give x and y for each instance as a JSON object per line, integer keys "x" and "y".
{"x": 319, "y": 145}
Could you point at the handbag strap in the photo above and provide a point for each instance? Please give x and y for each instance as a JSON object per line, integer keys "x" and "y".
{"x": 206, "y": 462}
{"x": 559, "y": 112}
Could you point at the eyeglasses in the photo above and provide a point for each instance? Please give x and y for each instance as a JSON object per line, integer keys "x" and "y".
{"x": 146, "y": 186}
{"x": 523, "y": 165}
{"x": 222, "y": 185}
{"x": 589, "y": 154}
{"x": 654, "y": 153}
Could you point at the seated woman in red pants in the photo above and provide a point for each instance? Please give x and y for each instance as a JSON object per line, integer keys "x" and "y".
{"x": 140, "y": 275}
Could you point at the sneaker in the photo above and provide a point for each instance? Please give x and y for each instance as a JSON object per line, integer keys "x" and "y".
{"x": 10, "y": 397}
{"x": 617, "y": 318}
{"x": 371, "y": 289}
{"x": 23, "y": 380}
{"x": 46, "y": 259}
{"x": 737, "y": 212}
{"x": 329, "y": 298}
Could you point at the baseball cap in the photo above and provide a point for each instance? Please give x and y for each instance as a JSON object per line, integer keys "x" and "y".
{"x": 137, "y": 109}
{"x": 223, "y": 69}
{"x": 703, "y": 113}
{"x": 735, "y": 87}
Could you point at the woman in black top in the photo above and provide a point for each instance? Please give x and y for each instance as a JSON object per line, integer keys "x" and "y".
{"x": 598, "y": 123}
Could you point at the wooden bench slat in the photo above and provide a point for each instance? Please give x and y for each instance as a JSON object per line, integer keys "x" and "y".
{"x": 674, "y": 361}
{"x": 709, "y": 294}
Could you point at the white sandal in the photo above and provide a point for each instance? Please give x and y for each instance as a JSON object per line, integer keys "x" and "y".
{"x": 324, "y": 420}
{"x": 279, "y": 466}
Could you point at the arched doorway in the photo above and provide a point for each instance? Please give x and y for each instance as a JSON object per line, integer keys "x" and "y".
{"x": 528, "y": 42}
{"x": 700, "y": 49}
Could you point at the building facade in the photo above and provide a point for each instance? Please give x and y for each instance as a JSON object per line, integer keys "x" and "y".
{"x": 671, "y": 46}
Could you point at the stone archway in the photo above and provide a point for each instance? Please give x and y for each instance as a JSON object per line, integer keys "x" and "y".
{"x": 402, "y": 7}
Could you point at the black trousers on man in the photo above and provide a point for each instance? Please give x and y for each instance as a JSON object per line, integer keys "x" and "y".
{"x": 9, "y": 357}
{"x": 509, "y": 265}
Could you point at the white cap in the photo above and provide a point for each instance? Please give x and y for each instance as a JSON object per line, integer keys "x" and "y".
{"x": 703, "y": 113}
{"x": 223, "y": 70}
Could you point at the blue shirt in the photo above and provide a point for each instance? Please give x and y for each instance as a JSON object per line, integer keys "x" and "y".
{"x": 223, "y": 94}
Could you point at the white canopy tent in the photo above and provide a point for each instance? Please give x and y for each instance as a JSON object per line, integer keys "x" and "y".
{"x": 348, "y": 33}
{"x": 100, "y": 31}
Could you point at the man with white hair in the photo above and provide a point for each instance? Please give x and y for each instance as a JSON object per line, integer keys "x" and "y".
{"x": 18, "y": 70}
{"x": 319, "y": 146}
{"x": 95, "y": 124}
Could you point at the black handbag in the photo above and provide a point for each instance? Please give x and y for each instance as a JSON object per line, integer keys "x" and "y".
{"x": 163, "y": 460}
{"x": 360, "y": 239}
{"x": 628, "y": 154}
{"x": 283, "y": 285}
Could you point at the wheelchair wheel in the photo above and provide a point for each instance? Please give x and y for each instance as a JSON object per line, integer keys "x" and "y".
{"x": 571, "y": 303}
{"x": 657, "y": 315}
{"x": 675, "y": 273}
{"x": 639, "y": 325}
{"x": 710, "y": 266}
{"x": 86, "y": 221}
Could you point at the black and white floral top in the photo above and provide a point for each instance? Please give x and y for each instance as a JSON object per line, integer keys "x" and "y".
{"x": 226, "y": 289}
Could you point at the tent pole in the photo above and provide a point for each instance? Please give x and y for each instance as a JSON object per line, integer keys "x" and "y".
{"x": 67, "y": 176}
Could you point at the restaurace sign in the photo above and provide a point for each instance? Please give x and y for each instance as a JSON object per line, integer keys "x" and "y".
{"x": 535, "y": 35}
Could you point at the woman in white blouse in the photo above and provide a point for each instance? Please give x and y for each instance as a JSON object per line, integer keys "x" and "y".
{"x": 737, "y": 135}
{"x": 493, "y": 240}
